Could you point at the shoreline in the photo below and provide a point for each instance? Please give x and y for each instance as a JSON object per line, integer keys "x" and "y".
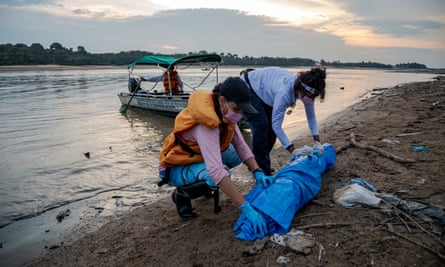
{"x": 57, "y": 67}
{"x": 98, "y": 67}
{"x": 140, "y": 220}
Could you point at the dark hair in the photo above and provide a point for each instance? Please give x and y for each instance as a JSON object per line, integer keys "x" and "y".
{"x": 216, "y": 92}
{"x": 315, "y": 78}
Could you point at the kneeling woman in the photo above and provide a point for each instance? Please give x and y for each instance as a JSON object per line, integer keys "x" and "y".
{"x": 205, "y": 143}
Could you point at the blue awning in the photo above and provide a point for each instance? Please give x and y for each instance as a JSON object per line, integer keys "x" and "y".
{"x": 165, "y": 61}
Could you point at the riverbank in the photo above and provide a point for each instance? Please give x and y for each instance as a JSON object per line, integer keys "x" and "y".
{"x": 92, "y": 67}
{"x": 57, "y": 67}
{"x": 408, "y": 115}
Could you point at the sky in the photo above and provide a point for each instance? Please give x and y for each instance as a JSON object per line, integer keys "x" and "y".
{"x": 384, "y": 31}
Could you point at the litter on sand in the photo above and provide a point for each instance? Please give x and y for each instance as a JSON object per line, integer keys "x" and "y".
{"x": 297, "y": 240}
{"x": 359, "y": 193}
{"x": 418, "y": 148}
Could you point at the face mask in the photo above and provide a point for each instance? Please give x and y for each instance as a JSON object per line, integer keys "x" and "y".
{"x": 231, "y": 116}
{"x": 305, "y": 99}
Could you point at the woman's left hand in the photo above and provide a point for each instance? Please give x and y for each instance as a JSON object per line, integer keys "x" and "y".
{"x": 263, "y": 179}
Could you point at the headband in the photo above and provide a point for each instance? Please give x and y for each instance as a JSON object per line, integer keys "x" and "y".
{"x": 309, "y": 89}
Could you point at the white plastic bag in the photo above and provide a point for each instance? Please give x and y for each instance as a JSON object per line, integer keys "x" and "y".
{"x": 354, "y": 195}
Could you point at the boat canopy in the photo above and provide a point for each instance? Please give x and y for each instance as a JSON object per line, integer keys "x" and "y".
{"x": 166, "y": 61}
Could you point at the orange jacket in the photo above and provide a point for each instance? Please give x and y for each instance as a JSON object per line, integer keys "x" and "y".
{"x": 173, "y": 84}
{"x": 200, "y": 110}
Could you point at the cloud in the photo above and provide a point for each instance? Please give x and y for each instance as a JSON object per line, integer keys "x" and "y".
{"x": 395, "y": 9}
{"x": 169, "y": 47}
{"x": 339, "y": 33}
{"x": 400, "y": 28}
{"x": 12, "y": 3}
{"x": 101, "y": 9}
{"x": 394, "y": 23}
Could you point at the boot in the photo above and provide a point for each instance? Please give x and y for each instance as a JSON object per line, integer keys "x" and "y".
{"x": 183, "y": 205}
{"x": 198, "y": 189}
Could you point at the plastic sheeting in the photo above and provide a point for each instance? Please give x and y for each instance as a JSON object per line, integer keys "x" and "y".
{"x": 358, "y": 192}
{"x": 295, "y": 185}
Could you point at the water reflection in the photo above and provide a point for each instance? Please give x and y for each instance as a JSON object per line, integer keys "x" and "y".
{"x": 154, "y": 123}
{"x": 157, "y": 127}
{"x": 51, "y": 118}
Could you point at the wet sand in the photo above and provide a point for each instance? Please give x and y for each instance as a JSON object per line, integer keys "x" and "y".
{"x": 412, "y": 114}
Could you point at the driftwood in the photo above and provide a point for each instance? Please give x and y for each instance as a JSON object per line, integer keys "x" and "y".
{"x": 408, "y": 134}
{"x": 343, "y": 148}
{"x": 346, "y": 129}
{"x": 415, "y": 242}
{"x": 314, "y": 214}
{"x": 388, "y": 228}
{"x": 380, "y": 151}
{"x": 398, "y": 211}
{"x": 327, "y": 225}
{"x": 320, "y": 252}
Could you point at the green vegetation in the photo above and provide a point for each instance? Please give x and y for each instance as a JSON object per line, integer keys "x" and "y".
{"x": 56, "y": 54}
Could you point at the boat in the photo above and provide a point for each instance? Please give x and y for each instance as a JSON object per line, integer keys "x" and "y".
{"x": 145, "y": 95}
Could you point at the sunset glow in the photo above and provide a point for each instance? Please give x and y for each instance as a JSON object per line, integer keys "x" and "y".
{"x": 283, "y": 27}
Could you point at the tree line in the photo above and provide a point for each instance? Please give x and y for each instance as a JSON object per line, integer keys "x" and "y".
{"x": 57, "y": 54}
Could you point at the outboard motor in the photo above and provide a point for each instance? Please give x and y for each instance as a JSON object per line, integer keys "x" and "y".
{"x": 132, "y": 84}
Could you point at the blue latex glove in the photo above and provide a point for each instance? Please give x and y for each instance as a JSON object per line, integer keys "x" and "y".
{"x": 262, "y": 178}
{"x": 257, "y": 220}
{"x": 318, "y": 146}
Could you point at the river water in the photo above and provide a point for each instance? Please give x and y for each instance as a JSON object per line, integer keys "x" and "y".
{"x": 50, "y": 119}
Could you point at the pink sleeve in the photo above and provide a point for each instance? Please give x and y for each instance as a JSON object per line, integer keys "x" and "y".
{"x": 241, "y": 147}
{"x": 208, "y": 140}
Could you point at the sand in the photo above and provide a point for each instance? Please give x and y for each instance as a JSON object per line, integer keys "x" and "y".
{"x": 393, "y": 122}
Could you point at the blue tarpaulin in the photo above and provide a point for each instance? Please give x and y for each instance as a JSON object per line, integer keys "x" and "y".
{"x": 295, "y": 185}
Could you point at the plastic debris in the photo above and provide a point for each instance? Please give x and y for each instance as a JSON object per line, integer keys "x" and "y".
{"x": 361, "y": 182}
{"x": 355, "y": 195}
{"x": 419, "y": 148}
{"x": 283, "y": 260}
{"x": 392, "y": 142}
{"x": 296, "y": 240}
{"x": 360, "y": 193}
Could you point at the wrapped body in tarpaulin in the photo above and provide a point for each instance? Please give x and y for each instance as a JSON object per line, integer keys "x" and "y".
{"x": 295, "y": 185}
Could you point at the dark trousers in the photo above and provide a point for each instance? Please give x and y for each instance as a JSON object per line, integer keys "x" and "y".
{"x": 263, "y": 136}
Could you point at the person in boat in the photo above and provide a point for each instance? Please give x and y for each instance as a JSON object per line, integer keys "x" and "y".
{"x": 272, "y": 91}
{"x": 205, "y": 144}
{"x": 170, "y": 78}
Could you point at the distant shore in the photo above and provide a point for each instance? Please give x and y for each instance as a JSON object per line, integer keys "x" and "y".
{"x": 57, "y": 67}
{"x": 95, "y": 67}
